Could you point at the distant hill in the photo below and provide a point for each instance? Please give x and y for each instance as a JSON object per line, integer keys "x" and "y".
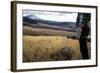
{"x": 36, "y": 20}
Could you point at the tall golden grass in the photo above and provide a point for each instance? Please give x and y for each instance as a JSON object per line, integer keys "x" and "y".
{"x": 39, "y": 48}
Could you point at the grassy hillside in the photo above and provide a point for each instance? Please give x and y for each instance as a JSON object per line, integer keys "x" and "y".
{"x": 45, "y": 31}
{"x": 45, "y": 48}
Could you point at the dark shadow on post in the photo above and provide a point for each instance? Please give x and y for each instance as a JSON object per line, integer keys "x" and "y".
{"x": 83, "y": 22}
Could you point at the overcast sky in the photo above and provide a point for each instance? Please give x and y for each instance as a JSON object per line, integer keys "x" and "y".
{"x": 53, "y": 16}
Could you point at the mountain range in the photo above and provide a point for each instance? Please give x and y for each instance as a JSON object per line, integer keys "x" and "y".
{"x": 34, "y": 21}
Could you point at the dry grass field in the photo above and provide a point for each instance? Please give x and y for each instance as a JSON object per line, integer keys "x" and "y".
{"x": 49, "y": 48}
{"x": 42, "y": 44}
